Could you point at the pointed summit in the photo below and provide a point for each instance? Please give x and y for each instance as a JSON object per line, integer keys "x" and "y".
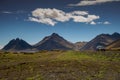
{"x": 54, "y": 41}
{"x": 116, "y": 34}
{"x": 16, "y": 45}
{"x": 54, "y": 34}
{"x": 17, "y": 39}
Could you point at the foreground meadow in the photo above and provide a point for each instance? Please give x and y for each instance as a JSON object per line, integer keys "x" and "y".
{"x": 60, "y": 65}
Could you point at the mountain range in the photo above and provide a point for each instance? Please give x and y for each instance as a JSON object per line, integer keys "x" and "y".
{"x": 56, "y": 42}
{"x": 52, "y": 42}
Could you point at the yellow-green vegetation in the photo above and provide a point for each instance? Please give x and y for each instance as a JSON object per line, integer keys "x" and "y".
{"x": 60, "y": 65}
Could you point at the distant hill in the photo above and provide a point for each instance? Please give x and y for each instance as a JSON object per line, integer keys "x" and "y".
{"x": 17, "y": 45}
{"x": 79, "y": 45}
{"x": 114, "y": 45}
{"x": 101, "y": 40}
{"x": 54, "y": 41}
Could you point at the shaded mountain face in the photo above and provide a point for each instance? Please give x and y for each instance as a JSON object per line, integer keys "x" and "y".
{"x": 17, "y": 45}
{"x": 52, "y": 42}
{"x": 115, "y": 44}
{"x": 101, "y": 40}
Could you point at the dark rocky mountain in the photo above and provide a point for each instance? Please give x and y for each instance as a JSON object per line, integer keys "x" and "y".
{"x": 17, "y": 45}
{"x": 101, "y": 40}
{"x": 114, "y": 45}
{"x": 52, "y": 42}
{"x": 55, "y": 41}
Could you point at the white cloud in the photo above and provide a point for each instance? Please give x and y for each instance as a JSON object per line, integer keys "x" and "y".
{"x": 91, "y": 2}
{"x": 79, "y": 13}
{"x": 43, "y": 20}
{"x": 93, "y": 23}
{"x": 49, "y": 16}
{"x": 53, "y": 16}
{"x": 92, "y": 17}
{"x": 87, "y": 19}
{"x": 106, "y": 22}
{"x": 13, "y": 12}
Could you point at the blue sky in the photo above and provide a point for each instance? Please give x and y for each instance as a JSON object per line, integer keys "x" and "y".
{"x": 75, "y": 20}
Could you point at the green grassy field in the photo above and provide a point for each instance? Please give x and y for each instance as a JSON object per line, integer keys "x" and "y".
{"x": 60, "y": 65}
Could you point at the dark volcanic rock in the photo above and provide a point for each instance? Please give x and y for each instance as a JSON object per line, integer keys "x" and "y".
{"x": 101, "y": 40}
{"x": 52, "y": 42}
{"x": 17, "y": 45}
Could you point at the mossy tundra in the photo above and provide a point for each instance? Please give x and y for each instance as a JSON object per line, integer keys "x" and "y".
{"x": 60, "y": 65}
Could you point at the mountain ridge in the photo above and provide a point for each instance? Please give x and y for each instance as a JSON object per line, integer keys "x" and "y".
{"x": 101, "y": 40}
{"x": 55, "y": 41}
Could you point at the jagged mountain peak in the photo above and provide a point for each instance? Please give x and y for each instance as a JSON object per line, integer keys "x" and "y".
{"x": 54, "y": 41}
{"x": 54, "y": 34}
{"x": 116, "y": 34}
{"x": 16, "y": 45}
{"x": 103, "y": 35}
{"x": 17, "y": 39}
